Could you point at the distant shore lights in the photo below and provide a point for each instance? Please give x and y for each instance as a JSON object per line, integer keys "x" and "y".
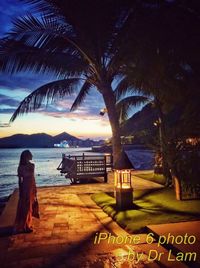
{"x": 62, "y": 144}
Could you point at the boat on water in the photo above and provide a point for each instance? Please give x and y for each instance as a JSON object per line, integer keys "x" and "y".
{"x": 62, "y": 144}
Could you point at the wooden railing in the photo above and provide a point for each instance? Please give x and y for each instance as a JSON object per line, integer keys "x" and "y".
{"x": 83, "y": 166}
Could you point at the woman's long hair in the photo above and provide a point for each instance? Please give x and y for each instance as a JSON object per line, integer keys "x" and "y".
{"x": 25, "y": 157}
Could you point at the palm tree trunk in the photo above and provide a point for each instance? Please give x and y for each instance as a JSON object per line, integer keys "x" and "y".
{"x": 120, "y": 159}
{"x": 163, "y": 144}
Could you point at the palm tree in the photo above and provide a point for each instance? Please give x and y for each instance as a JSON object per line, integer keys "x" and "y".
{"x": 93, "y": 42}
{"x": 128, "y": 98}
{"x": 82, "y": 43}
{"x": 166, "y": 64}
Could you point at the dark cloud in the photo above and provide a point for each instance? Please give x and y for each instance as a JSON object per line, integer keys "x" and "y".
{"x": 4, "y": 125}
{"x": 24, "y": 81}
{"x": 5, "y": 100}
{"x": 7, "y": 111}
{"x": 88, "y": 110}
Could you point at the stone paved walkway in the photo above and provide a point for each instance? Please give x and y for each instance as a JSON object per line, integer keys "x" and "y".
{"x": 180, "y": 237}
{"x": 64, "y": 235}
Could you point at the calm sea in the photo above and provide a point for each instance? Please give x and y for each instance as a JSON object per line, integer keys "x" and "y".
{"x": 46, "y": 163}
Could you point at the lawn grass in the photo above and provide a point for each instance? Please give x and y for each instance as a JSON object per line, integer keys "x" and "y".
{"x": 158, "y": 178}
{"x": 154, "y": 206}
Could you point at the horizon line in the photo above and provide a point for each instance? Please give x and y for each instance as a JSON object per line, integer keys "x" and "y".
{"x": 53, "y": 135}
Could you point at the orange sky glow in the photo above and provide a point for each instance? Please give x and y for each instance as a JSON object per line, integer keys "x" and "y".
{"x": 95, "y": 127}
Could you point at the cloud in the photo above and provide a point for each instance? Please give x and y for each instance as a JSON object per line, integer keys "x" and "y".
{"x": 26, "y": 82}
{"x": 89, "y": 109}
{"x": 14, "y": 88}
{"x": 7, "y": 111}
{"x": 22, "y": 84}
{"x": 7, "y": 104}
{"x": 6, "y": 100}
{"x": 83, "y": 114}
{"x": 2, "y": 125}
{"x": 23, "y": 81}
{"x": 74, "y": 116}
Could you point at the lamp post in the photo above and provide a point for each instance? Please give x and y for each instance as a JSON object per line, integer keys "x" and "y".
{"x": 158, "y": 167}
{"x": 123, "y": 189}
{"x": 157, "y": 123}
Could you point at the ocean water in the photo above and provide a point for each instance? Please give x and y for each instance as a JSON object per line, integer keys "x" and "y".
{"x": 46, "y": 162}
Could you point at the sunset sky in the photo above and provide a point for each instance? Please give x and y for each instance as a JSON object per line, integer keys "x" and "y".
{"x": 84, "y": 122}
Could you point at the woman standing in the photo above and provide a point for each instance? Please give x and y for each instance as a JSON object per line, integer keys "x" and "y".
{"x": 27, "y": 193}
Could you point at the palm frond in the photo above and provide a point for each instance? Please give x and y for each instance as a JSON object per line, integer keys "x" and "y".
{"x": 125, "y": 105}
{"x": 39, "y": 6}
{"x": 16, "y": 56}
{"x": 46, "y": 33}
{"x": 122, "y": 88}
{"x": 46, "y": 94}
{"x": 36, "y": 32}
{"x": 93, "y": 37}
{"x": 86, "y": 87}
{"x": 121, "y": 40}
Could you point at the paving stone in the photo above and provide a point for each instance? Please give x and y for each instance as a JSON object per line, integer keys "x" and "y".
{"x": 32, "y": 263}
{"x": 4, "y": 243}
{"x": 164, "y": 261}
{"x": 64, "y": 235}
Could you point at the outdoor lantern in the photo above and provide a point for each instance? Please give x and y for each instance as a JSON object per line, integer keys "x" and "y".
{"x": 123, "y": 189}
{"x": 103, "y": 111}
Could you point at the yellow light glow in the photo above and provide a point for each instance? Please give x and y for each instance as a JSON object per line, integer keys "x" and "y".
{"x": 124, "y": 186}
{"x": 122, "y": 179}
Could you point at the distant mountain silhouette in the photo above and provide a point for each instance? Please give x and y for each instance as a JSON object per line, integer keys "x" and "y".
{"x": 141, "y": 126}
{"x": 42, "y": 140}
{"x": 64, "y": 136}
{"x": 24, "y": 140}
{"x": 141, "y": 120}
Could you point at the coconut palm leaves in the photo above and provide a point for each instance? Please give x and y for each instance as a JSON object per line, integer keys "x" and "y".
{"x": 127, "y": 98}
{"x": 84, "y": 91}
{"x": 67, "y": 41}
{"x": 15, "y": 56}
{"x": 126, "y": 105}
{"x": 96, "y": 41}
{"x": 46, "y": 94}
{"x": 81, "y": 40}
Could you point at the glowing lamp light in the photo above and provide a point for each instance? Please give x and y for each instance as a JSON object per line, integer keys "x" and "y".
{"x": 103, "y": 111}
{"x": 123, "y": 178}
{"x": 123, "y": 189}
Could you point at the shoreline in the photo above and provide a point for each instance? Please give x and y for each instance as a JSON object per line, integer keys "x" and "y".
{"x": 127, "y": 147}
